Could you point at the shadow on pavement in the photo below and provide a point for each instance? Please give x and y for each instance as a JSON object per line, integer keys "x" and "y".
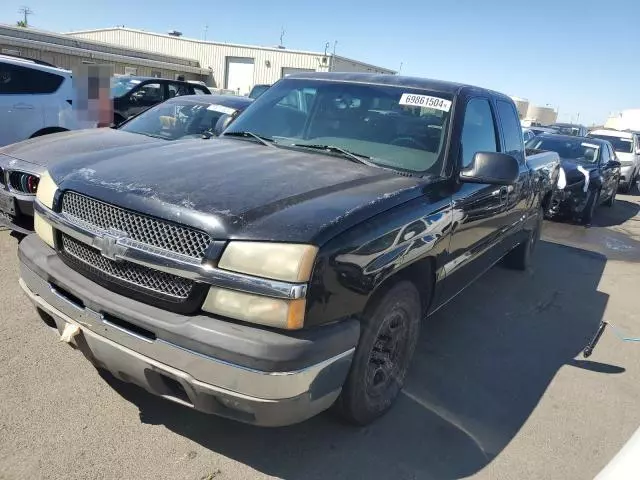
{"x": 481, "y": 367}
{"x": 621, "y": 211}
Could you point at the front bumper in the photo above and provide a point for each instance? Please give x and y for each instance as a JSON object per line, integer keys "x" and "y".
{"x": 569, "y": 201}
{"x": 112, "y": 336}
{"x": 627, "y": 173}
{"x": 16, "y": 211}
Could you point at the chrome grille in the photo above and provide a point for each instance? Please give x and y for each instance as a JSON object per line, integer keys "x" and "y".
{"x": 142, "y": 228}
{"x": 135, "y": 276}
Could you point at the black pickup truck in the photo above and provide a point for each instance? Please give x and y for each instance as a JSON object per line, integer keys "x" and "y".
{"x": 287, "y": 265}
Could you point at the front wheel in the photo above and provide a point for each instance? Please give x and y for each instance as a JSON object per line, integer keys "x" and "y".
{"x": 590, "y": 207}
{"x": 612, "y": 199}
{"x": 390, "y": 331}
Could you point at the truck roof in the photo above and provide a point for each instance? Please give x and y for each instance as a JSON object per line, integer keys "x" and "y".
{"x": 395, "y": 81}
{"x": 612, "y": 133}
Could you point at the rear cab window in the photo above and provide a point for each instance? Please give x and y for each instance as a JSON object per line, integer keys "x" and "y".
{"x": 511, "y": 130}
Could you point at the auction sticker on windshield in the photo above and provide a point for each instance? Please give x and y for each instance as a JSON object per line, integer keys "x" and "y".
{"x": 221, "y": 109}
{"x": 413, "y": 100}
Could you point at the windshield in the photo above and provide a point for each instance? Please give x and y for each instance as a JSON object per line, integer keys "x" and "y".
{"x": 394, "y": 126}
{"x": 621, "y": 145}
{"x": 577, "y": 150}
{"x": 121, "y": 85}
{"x": 176, "y": 119}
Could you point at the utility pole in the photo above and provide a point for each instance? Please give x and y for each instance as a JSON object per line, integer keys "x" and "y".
{"x": 206, "y": 27}
{"x": 25, "y": 11}
{"x": 400, "y": 69}
{"x": 282, "y": 32}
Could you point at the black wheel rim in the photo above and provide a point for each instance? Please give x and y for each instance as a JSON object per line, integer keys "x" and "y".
{"x": 387, "y": 356}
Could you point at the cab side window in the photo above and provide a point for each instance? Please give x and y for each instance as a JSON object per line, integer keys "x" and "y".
{"x": 478, "y": 130}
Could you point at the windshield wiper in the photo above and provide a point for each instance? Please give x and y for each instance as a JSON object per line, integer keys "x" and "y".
{"x": 264, "y": 140}
{"x": 354, "y": 157}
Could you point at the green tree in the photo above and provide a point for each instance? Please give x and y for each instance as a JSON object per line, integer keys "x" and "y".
{"x": 22, "y": 23}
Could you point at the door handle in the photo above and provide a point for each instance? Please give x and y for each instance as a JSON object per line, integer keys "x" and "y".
{"x": 504, "y": 192}
{"x": 22, "y": 106}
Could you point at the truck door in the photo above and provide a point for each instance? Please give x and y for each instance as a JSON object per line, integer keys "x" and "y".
{"x": 478, "y": 209}
{"x": 518, "y": 196}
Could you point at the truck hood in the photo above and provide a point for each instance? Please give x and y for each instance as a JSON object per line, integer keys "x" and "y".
{"x": 236, "y": 189}
{"x": 88, "y": 144}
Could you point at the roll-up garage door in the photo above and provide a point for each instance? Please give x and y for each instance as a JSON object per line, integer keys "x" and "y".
{"x": 239, "y": 74}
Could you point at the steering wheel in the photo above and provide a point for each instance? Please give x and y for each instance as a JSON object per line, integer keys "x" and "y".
{"x": 408, "y": 142}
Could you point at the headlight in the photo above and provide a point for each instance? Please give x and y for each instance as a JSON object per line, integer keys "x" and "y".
{"x": 562, "y": 179}
{"x": 46, "y": 190}
{"x": 272, "y": 312}
{"x": 277, "y": 261}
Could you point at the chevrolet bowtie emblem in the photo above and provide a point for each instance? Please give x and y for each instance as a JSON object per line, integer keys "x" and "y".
{"x": 108, "y": 244}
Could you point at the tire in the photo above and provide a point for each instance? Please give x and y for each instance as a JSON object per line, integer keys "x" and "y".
{"x": 520, "y": 257}
{"x": 390, "y": 330}
{"x": 612, "y": 199}
{"x": 626, "y": 188}
{"x": 590, "y": 208}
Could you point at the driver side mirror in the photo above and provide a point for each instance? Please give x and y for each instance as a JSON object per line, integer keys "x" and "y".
{"x": 493, "y": 168}
{"x": 223, "y": 122}
{"x": 613, "y": 164}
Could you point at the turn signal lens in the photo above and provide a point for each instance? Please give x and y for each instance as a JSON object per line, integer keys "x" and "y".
{"x": 272, "y": 312}
{"x": 43, "y": 229}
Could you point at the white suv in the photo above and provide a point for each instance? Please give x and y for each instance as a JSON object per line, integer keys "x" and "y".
{"x": 625, "y": 145}
{"x": 35, "y": 99}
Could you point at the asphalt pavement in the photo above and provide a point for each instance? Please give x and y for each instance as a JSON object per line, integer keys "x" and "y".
{"x": 498, "y": 389}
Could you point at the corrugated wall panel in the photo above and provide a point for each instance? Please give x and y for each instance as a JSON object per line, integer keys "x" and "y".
{"x": 268, "y": 62}
{"x": 339, "y": 64}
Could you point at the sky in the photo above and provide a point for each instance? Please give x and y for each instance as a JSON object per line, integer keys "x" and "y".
{"x": 576, "y": 56}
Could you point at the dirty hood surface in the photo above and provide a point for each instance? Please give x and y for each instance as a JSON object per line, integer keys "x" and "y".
{"x": 236, "y": 189}
{"x": 48, "y": 149}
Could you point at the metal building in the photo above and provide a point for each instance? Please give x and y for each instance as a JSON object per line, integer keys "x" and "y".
{"x": 232, "y": 66}
{"x": 522, "y": 104}
{"x": 66, "y": 52}
{"x": 625, "y": 120}
{"x": 541, "y": 115}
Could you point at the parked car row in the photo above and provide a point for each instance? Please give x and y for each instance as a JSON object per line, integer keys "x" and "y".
{"x": 595, "y": 165}
{"x": 183, "y": 117}
{"x": 285, "y": 265}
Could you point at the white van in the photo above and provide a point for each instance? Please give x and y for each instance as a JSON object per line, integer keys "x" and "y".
{"x": 625, "y": 145}
{"x": 35, "y": 99}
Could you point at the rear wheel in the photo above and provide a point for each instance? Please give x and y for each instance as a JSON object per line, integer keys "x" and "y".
{"x": 390, "y": 331}
{"x": 520, "y": 257}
